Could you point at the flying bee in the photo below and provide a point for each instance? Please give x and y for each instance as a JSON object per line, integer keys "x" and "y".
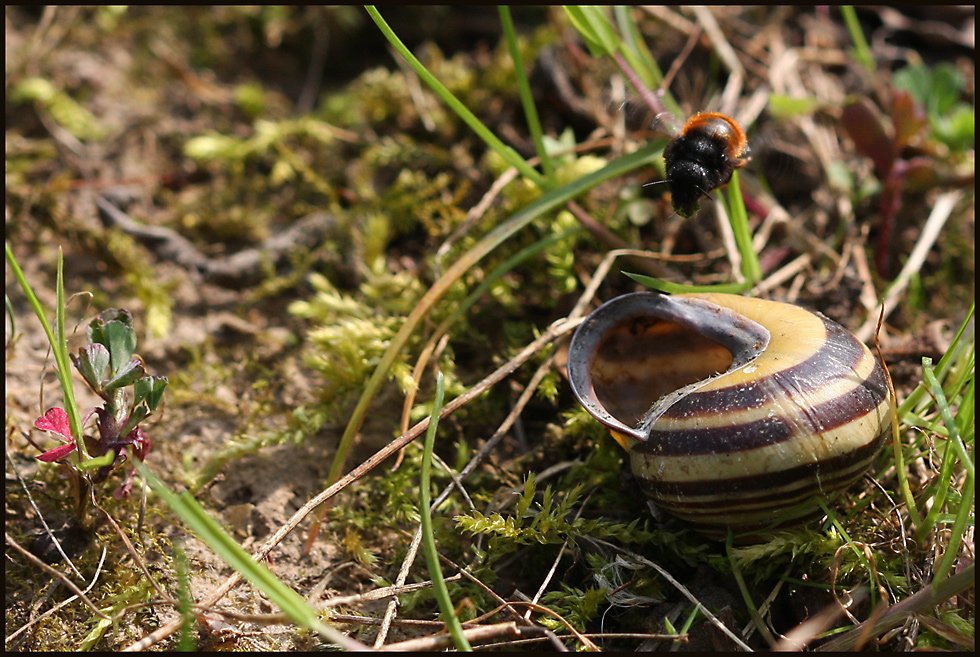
{"x": 702, "y": 158}
{"x": 703, "y": 154}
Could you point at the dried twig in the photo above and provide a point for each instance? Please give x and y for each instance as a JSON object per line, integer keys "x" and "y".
{"x": 98, "y": 571}
{"x": 54, "y": 572}
{"x": 475, "y": 635}
{"x": 929, "y": 596}
{"x": 40, "y": 516}
{"x": 684, "y": 591}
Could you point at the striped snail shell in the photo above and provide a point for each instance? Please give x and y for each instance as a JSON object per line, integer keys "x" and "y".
{"x": 736, "y": 412}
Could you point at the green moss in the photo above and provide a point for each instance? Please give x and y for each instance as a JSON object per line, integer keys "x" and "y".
{"x": 65, "y": 110}
{"x": 574, "y": 605}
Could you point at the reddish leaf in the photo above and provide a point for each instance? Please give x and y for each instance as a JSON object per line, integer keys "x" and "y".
{"x": 864, "y": 125}
{"x": 58, "y": 453}
{"x": 908, "y": 117}
{"x": 124, "y": 490}
{"x": 140, "y": 442}
{"x": 55, "y": 421}
{"x": 921, "y": 175}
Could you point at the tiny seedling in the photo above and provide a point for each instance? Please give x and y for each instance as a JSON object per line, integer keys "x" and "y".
{"x": 110, "y": 367}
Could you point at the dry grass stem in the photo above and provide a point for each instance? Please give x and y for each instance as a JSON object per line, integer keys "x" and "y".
{"x": 784, "y": 273}
{"x": 57, "y": 574}
{"x": 683, "y": 590}
{"x": 40, "y": 516}
{"x": 78, "y": 596}
{"x": 672, "y": 18}
{"x": 728, "y": 240}
{"x": 135, "y": 554}
{"x": 475, "y": 635}
{"x": 801, "y": 636}
{"x": 392, "y": 608}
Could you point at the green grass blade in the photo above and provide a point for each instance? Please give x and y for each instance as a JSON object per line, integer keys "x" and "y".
{"x": 634, "y": 50}
{"x": 941, "y": 369}
{"x": 958, "y": 351}
{"x": 491, "y": 241}
{"x": 428, "y": 538}
{"x": 500, "y": 272}
{"x": 60, "y": 355}
{"x": 955, "y": 446}
{"x": 640, "y": 58}
{"x": 60, "y": 347}
{"x": 288, "y": 600}
{"x": 591, "y": 22}
{"x": 527, "y": 98}
{"x": 509, "y": 154}
{"x": 739, "y": 219}
{"x": 902, "y": 475}
{"x": 862, "y": 52}
{"x": 964, "y": 515}
{"x": 754, "y": 614}
{"x": 10, "y": 315}
{"x": 678, "y": 288}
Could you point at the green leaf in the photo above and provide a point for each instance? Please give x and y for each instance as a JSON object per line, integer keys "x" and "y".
{"x": 150, "y": 389}
{"x": 914, "y": 79}
{"x": 92, "y": 362}
{"x": 945, "y": 88}
{"x": 598, "y": 32}
{"x": 956, "y": 129}
{"x": 114, "y": 329}
{"x": 789, "y": 107}
{"x": 97, "y": 462}
{"x": 937, "y": 89}
{"x": 127, "y": 375}
{"x": 135, "y": 417}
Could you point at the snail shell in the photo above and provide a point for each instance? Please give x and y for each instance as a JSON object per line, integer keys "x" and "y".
{"x": 736, "y": 412}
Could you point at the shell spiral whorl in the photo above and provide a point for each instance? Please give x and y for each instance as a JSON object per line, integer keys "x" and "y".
{"x": 736, "y": 411}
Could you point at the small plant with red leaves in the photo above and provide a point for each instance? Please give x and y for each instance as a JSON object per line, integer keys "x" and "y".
{"x": 915, "y": 143}
{"x": 110, "y": 367}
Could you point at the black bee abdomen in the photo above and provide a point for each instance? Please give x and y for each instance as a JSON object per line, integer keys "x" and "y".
{"x": 695, "y": 165}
